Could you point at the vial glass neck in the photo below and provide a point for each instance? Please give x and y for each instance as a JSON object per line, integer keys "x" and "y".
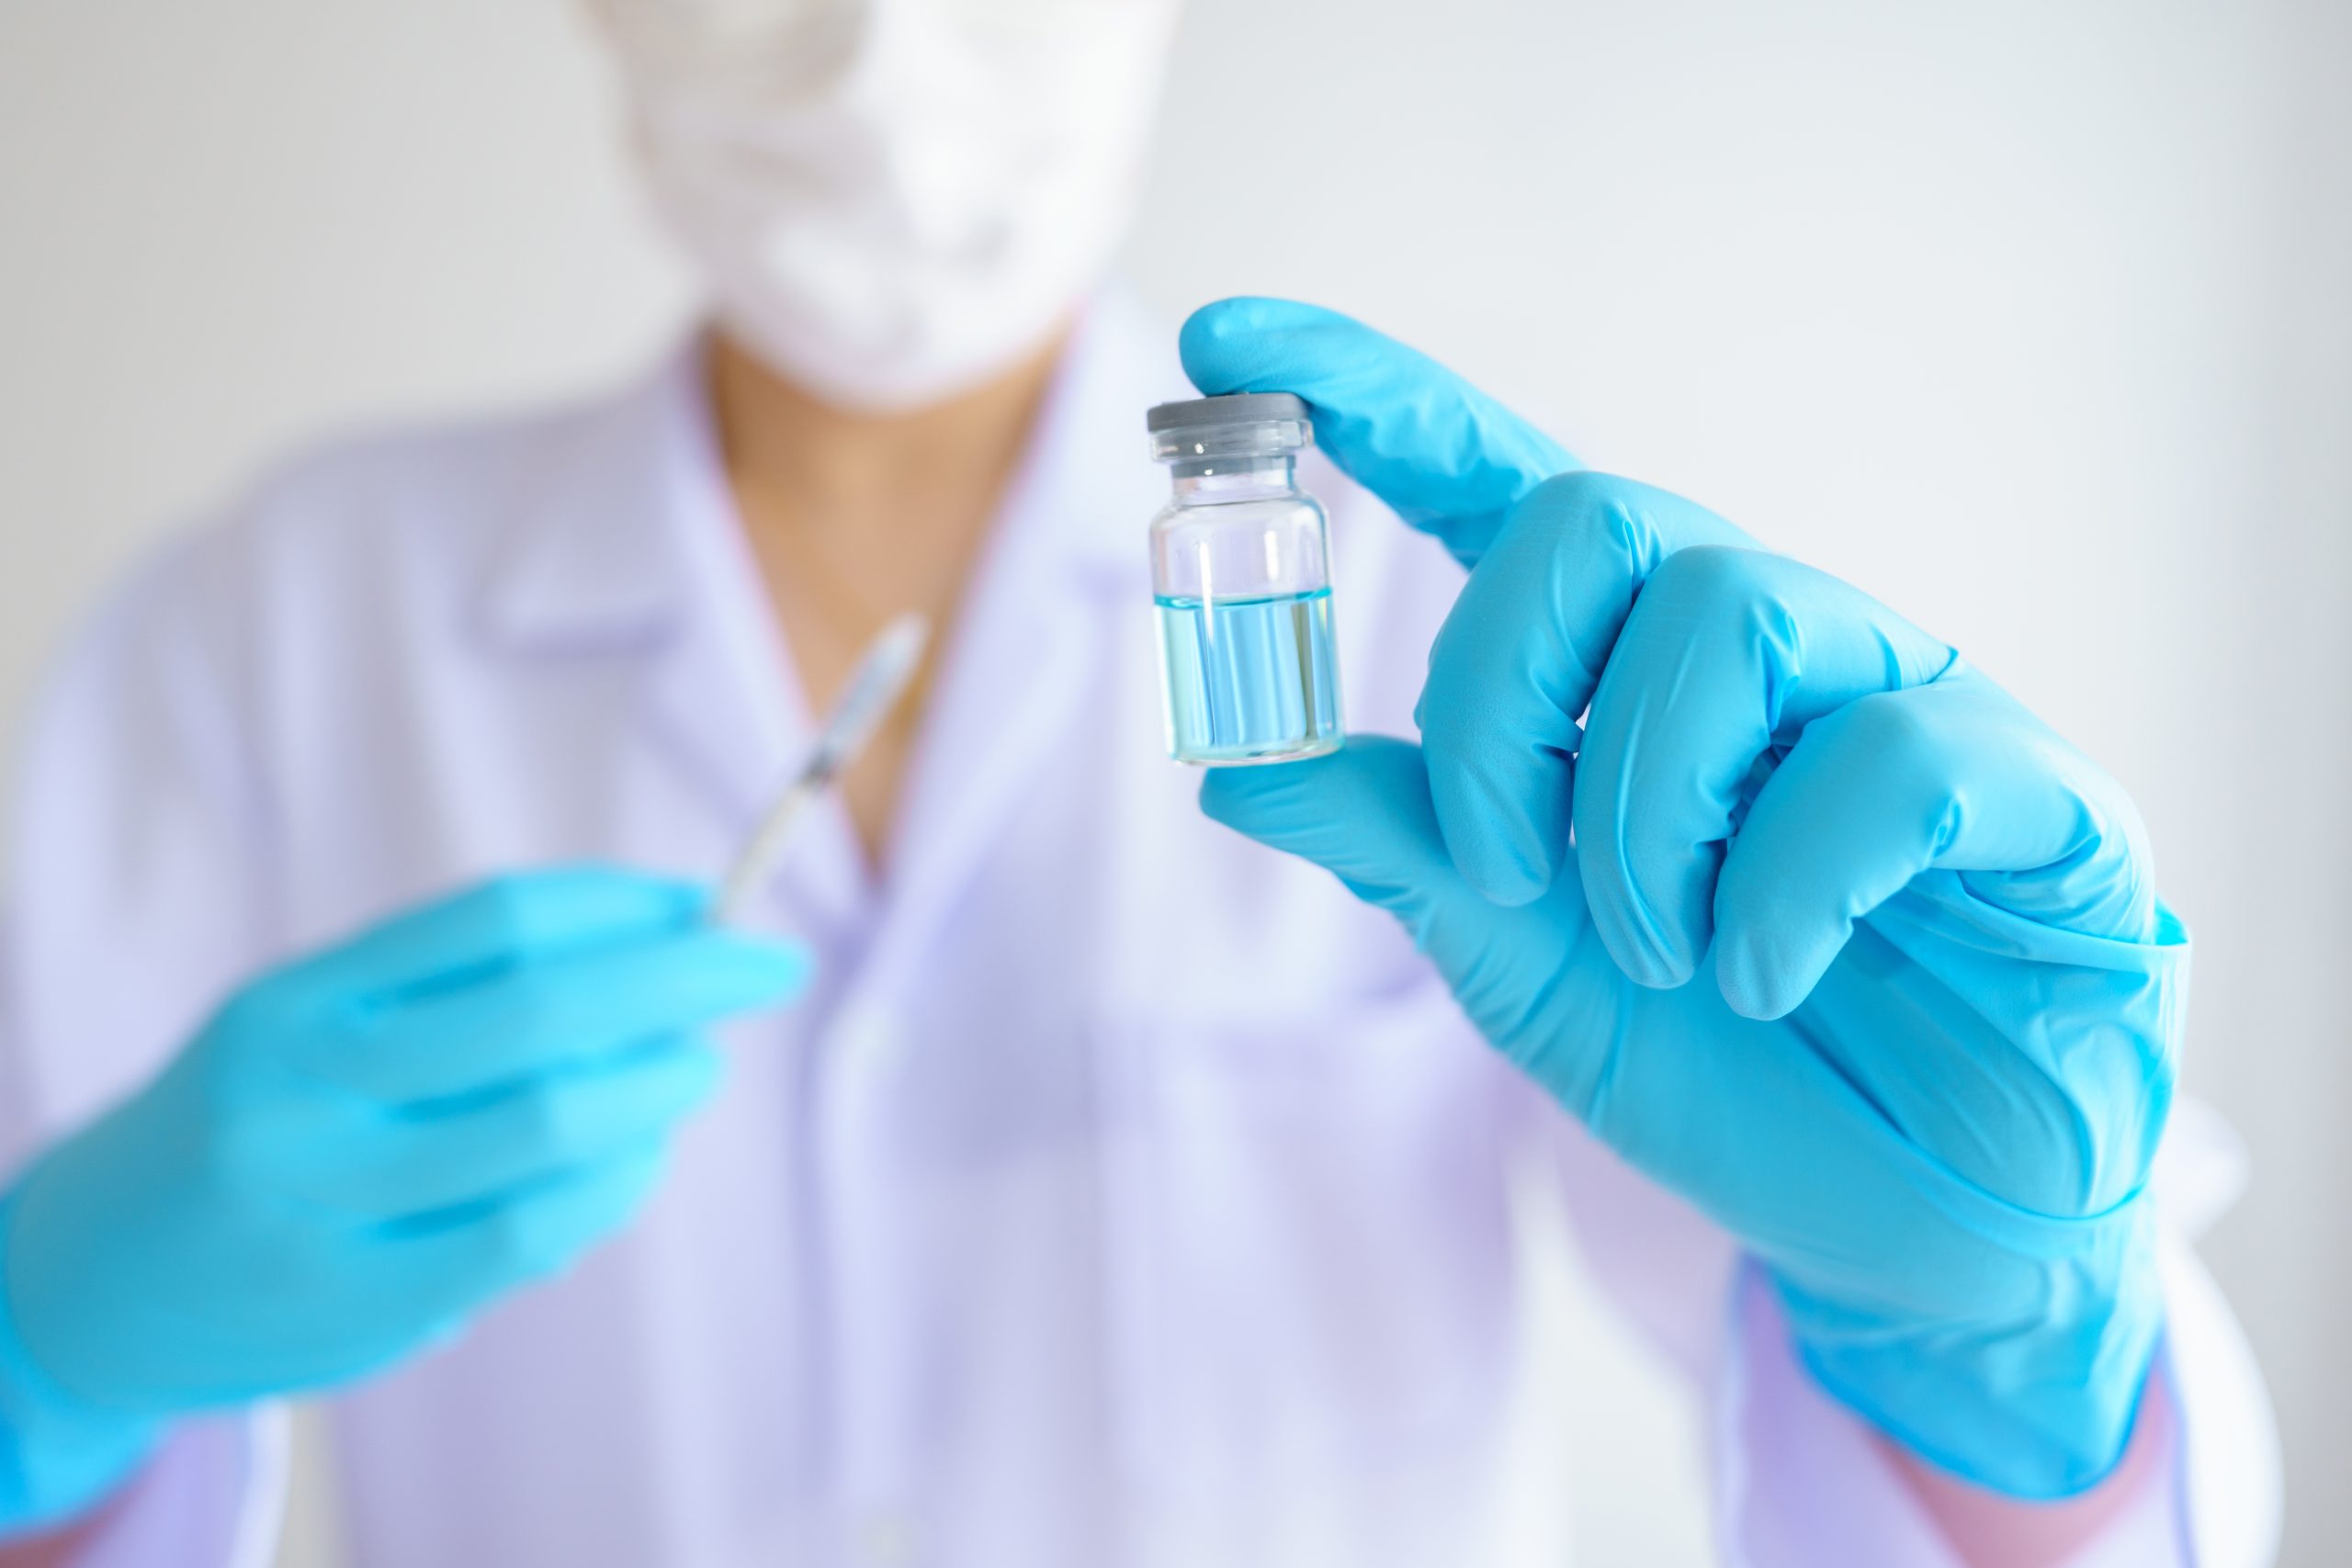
{"x": 1214, "y": 481}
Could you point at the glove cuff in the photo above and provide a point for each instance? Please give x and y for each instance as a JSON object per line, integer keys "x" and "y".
{"x": 58, "y": 1456}
{"x": 2040, "y": 1409}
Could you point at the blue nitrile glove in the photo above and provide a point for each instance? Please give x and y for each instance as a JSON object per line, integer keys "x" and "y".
{"x": 1845, "y": 945}
{"x": 356, "y": 1153}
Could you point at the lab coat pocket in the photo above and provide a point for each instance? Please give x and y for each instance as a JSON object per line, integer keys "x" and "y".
{"x": 1310, "y": 1242}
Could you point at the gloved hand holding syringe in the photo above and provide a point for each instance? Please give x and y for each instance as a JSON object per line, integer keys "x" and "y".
{"x": 457, "y": 1101}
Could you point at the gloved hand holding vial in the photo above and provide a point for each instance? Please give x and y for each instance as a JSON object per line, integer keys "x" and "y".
{"x": 1847, "y": 947}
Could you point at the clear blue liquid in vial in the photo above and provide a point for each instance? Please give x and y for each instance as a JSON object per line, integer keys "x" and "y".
{"x": 1250, "y": 680}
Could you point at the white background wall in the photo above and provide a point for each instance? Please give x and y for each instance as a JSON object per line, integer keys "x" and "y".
{"x": 2033, "y": 318}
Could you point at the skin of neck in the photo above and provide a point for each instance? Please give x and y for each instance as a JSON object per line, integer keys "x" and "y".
{"x": 809, "y": 462}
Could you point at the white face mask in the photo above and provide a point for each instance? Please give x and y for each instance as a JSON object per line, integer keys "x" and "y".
{"x": 894, "y": 200}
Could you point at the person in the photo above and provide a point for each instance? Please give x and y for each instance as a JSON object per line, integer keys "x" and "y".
{"x": 1088, "y": 1182}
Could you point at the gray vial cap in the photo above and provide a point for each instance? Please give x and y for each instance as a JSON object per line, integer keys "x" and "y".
{"x": 1235, "y": 408}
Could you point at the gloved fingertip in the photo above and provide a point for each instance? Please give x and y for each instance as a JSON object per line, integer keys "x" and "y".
{"x": 680, "y": 1080}
{"x": 703, "y": 1072}
{"x": 1663, "y": 975}
{"x": 637, "y": 892}
{"x": 1752, "y": 986}
{"x": 1510, "y": 881}
{"x": 688, "y": 897}
{"x": 1250, "y": 801}
{"x": 760, "y": 971}
{"x": 551, "y": 907}
{"x": 1202, "y": 344}
{"x": 1223, "y": 344}
{"x": 1641, "y": 958}
{"x": 1495, "y": 821}
{"x": 611, "y": 877}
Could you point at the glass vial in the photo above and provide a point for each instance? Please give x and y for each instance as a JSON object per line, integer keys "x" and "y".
{"x": 1241, "y": 572}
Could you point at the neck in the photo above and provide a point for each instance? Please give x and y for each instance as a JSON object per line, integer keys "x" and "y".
{"x": 799, "y": 460}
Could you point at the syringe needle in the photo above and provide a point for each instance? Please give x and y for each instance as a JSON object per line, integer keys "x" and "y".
{"x": 884, "y": 672}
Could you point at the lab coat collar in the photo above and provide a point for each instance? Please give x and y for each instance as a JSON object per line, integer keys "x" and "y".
{"x": 598, "y": 554}
{"x": 593, "y": 556}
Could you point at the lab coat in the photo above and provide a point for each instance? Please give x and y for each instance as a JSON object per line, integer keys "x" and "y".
{"x": 1124, "y": 1193}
